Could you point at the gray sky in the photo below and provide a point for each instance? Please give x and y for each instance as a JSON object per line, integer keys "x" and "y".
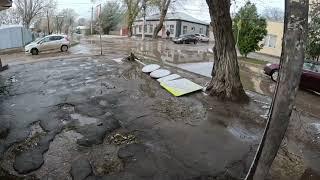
{"x": 196, "y": 8}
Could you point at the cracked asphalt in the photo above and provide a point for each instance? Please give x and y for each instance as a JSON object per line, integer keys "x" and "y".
{"x": 82, "y": 116}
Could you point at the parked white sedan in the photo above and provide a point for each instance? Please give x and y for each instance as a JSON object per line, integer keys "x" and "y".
{"x": 51, "y": 42}
{"x": 202, "y": 37}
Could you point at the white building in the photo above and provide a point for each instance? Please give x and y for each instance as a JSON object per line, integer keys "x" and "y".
{"x": 177, "y": 23}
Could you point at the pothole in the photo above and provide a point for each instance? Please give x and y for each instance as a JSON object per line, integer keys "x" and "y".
{"x": 84, "y": 120}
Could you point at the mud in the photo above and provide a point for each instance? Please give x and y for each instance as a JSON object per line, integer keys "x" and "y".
{"x": 107, "y": 120}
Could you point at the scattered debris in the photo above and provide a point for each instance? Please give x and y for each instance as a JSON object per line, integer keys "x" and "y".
{"x": 160, "y": 73}
{"x": 150, "y": 68}
{"x": 169, "y": 78}
{"x": 120, "y": 139}
{"x": 181, "y": 87}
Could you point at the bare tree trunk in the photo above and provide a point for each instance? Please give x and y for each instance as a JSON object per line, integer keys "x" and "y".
{"x": 164, "y": 9}
{"x": 292, "y": 58}
{"x": 130, "y": 29}
{"x": 226, "y": 83}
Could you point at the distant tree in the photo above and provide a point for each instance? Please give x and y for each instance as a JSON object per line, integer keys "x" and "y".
{"x": 273, "y": 14}
{"x": 249, "y": 29}
{"x": 28, "y": 10}
{"x": 10, "y": 16}
{"x": 313, "y": 45}
{"x": 163, "y": 6}
{"x": 111, "y": 16}
{"x": 66, "y": 20}
{"x": 82, "y": 21}
{"x": 133, "y": 7}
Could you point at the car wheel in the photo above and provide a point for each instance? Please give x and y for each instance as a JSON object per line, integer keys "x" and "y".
{"x": 64, "y": 48}
{"x": 34, "y": 51}
{"x": 195, "y": 42}
{"x": 275, "y": 75}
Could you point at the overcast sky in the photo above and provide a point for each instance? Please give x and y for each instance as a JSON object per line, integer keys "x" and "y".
{"x": 196, "y": 8}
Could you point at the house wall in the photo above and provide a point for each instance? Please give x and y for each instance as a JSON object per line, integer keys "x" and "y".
{"x": 275, "y": 29}
{"x": 193, "y": 28}
{"x": 162, "y": 33}
{"x": 176, "y": 32}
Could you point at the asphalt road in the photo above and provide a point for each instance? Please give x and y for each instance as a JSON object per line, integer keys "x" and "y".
{"x": 77, "y": 115}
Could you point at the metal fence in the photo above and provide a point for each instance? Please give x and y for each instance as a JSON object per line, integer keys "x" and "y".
{"x": 14, "y": 37}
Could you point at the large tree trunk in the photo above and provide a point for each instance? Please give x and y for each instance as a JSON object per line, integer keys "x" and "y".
{"x": 163, "y": 12}
{"x": 292, "y": 58}
{"x": 226, "y": 82}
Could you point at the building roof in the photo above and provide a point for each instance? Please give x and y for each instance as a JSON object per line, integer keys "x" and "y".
{"x": 175, "y": 16}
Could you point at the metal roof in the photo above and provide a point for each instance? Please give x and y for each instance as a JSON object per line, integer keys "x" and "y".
{"x": 175, "y": 16}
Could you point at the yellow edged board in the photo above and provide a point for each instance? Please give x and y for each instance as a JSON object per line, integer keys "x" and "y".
{"x": 180, "y": 87}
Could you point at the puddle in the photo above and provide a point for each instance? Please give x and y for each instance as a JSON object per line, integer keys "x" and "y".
{"x": 315, "y": 127}
{"x": 118, "y": 60}
{"x": 242, "y": 133}
{"x": 84, "y": 120}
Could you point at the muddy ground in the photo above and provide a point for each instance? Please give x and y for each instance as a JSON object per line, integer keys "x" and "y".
{"x": 81, "y": 116}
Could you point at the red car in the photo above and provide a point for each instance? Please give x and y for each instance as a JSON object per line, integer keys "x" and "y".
{"x": 310, "y": 78}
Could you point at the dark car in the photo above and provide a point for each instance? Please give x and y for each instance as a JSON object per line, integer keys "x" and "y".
{"x": 310, "y": 78}
{"x": 186, "y": 39}
{"x": 5, "y": 4}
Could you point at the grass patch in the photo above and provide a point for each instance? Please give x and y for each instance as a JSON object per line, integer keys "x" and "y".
{"x": 254, "y": 61}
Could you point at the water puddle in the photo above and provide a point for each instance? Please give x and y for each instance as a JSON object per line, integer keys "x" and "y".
{"x": 242, "y": 133}
{"x": 84, "y": 120}
{"x": 118, "y": 60}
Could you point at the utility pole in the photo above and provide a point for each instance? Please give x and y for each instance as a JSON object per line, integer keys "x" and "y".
{"x": 57, "y": 24}
{"x": 144, "y": 19}
{"x": 48, "y": 21}
{"x": 100, "y": 28}
{"x": 91, "y": 28}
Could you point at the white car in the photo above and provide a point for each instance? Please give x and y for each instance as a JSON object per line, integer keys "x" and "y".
{"x": 202, "y": 37}
{"x": 51, "y": 42}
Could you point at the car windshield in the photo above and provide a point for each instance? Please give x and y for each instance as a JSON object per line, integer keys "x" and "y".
{"x": 307, "y": 66}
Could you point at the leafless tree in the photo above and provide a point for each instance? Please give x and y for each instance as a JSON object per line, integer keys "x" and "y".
{"x": 291, "y": 62}
{"x": 225, "y": 82}
{"x": 273, "y": 14}
{"x": 30, "y": 9}
{"x": 133, "y": 7}
{"x": 163, "y": 7}
{"x": 9, "y": 16}
{"x": 68, "y": 19}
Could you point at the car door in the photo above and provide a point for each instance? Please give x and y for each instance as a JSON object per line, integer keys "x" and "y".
{"x": 53, "y": 43}
{"x": 56, "y": 44}
{"x": 315, "y": 78}
{"x": 44, "y": 44}
{"x": 310, "y": 78}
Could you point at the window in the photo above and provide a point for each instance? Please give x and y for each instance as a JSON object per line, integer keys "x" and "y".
{"x": 151, "y": 28}
{"x": 270, "y": 41}
{"x": 307, "y": 66}
{"x": 317, "y": 68}
{"x": 171, "y": 29}
{"x": 201, "y": 30}
{"x": 193, "y": 28}
{"x": 140, "y": 28}
{"x": 145, "y": 28}
{"x": 185, "y": 30}
{"x": 45, "y": 40}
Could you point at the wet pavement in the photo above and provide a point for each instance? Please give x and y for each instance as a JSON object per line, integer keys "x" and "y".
{"x": 82, "y": 116}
